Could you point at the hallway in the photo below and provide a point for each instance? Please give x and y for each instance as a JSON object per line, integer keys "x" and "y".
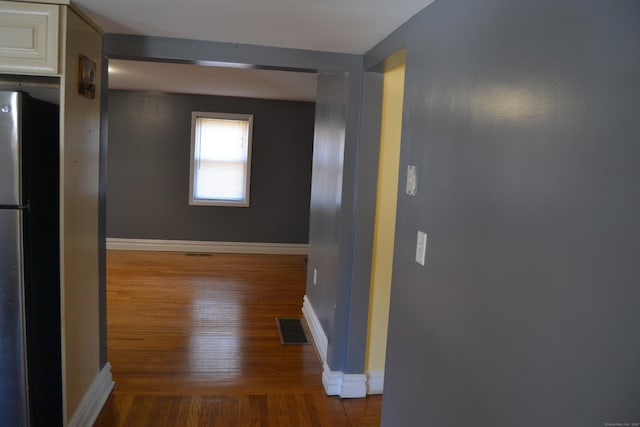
{"x": 193, "y": 342}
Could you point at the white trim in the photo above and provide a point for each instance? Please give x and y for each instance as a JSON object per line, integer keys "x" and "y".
{"x": 94, "y": 399}
{"x": 317, "y": 333}
{"x": 375, "y": 382}
{"x": 335, "y": 383}
{"x": 331, "y": 381}
{"x": 354, "y": 385}
{"x": 204, "y": 246}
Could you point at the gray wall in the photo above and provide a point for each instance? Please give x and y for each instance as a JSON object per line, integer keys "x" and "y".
{"x": 341, "y": 228}
{"x": 523, "y": 121}
{"x": 326, "y": 195}
{"x": 148, "y": 183}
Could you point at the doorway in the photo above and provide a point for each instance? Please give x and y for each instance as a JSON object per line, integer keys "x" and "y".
{"x": 385, "y": 220}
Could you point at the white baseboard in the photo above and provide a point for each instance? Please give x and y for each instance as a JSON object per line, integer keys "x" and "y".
{"x": 375, "y": 382}
{"x": 354, "y": 385}
{"x": 335, "y": 383}
{"x": 94, "y": 399}
{"x": 331, "y": 381}
{"x": 203, "y": 246}
{"x": 317, "y": 333}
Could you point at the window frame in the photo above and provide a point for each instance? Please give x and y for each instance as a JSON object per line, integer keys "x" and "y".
{"x": 193, "y": 201}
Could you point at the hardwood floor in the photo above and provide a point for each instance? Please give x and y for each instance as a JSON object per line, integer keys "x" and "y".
{"x": 193, "y": 342}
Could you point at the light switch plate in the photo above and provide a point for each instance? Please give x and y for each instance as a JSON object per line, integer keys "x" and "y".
{"x": 411, "y": 180}
{"x": 421, "y": 247}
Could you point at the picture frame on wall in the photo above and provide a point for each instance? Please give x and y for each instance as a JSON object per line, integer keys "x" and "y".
{"x": 87, "y": 77}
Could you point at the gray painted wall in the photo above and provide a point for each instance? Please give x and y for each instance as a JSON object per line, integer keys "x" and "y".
{"x": 326, "y": 203}
{"x": 341, "y": 227}
{"x": 148, "y": 182}
{"x": 326, "y": 196}
{"x": 367, "y": 180}
{"x": 523, "y": 121}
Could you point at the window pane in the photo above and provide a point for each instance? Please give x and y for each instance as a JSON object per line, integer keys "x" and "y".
{"x": 221, "y": 180}
{"x": 221, "y": 148}
{"x": 223, "y": 140}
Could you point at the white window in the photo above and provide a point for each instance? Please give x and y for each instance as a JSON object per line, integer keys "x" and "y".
{"x": 220, "y": 159}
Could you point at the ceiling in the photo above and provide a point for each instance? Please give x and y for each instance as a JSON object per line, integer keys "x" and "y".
{"x": 346, "y": 26}
{"x": 343, "y": 26}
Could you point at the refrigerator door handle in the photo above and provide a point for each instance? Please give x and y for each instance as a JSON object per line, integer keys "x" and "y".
{"x": 18, "y": 207}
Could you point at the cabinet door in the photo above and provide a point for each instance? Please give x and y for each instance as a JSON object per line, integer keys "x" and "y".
{"x": 29, "y": 38}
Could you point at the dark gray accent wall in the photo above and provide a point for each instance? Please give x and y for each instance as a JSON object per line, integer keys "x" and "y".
{"x": 149, "y": 149}
{"x": 523, "y": 121}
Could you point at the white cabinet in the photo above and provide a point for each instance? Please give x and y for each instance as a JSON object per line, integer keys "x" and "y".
{"x": 29, "y": 38}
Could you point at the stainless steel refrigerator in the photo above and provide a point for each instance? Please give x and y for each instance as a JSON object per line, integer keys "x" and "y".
{"x": 30, "y": 355}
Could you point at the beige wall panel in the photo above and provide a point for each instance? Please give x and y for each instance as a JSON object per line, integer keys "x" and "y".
{"x": 79, "y": 216}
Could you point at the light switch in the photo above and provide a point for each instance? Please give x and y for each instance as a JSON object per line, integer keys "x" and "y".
{"x": 421, "y": 247}
{"x": 411, "y": 180}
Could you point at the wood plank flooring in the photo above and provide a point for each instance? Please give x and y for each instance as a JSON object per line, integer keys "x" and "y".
{"x": 193, "y": 342}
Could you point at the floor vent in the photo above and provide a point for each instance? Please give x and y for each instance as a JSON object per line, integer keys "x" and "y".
{"x": 291, "y": 331}
{"x": 197, "y": 254}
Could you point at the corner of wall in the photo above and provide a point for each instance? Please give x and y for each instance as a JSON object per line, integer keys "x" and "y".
{"x": 95, "y": 398}
{"x": 375, "y": 382}
{"x": 337, "y": 383}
